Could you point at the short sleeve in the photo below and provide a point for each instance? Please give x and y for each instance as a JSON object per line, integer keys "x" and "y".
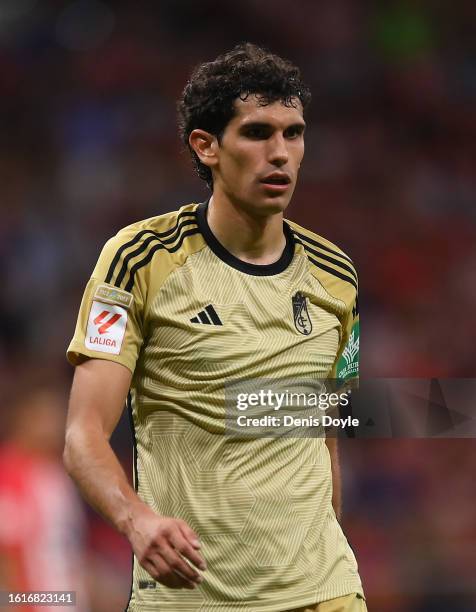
{"x": 110, "y": 319}
{"x": 346, "y": 369}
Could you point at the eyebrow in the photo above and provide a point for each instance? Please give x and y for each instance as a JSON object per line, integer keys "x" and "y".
{"x": 263, "y": 124}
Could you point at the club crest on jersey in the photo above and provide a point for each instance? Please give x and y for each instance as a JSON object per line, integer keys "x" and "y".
{"x": 302, "y": 320}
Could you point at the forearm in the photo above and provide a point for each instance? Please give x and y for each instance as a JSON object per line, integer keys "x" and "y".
{"x": 162, "y": 545}
{"x": 93, "y": 465}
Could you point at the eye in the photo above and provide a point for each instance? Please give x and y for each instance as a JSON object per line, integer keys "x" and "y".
{"x": 294, "y": 132}
{"x": 256, "y": 132}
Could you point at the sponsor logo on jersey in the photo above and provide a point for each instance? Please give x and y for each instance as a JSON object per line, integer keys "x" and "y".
{"x": 209, "y": 316}
{"x": 348, "y": 364}
{"x": 106, "y": 328}
{"x": 302, "y": 320}
{"x": 112, "y": 295}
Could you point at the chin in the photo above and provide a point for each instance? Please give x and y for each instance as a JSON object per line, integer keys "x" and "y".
{"x": 264, "y": 206}
{"x": 265, "y": 209}
{"x": 274, "y": 206}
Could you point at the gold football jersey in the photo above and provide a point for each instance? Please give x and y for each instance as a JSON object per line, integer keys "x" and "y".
{"x": 169, "y": 302}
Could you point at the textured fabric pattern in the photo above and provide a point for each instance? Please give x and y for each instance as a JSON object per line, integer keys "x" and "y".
{"x": 348, "y": 603}
{"x": 262, "y": 508}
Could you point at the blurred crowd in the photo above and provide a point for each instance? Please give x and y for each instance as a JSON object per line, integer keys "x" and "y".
{"x": 89, "y": 144}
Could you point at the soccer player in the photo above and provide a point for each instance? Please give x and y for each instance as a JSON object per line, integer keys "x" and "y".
{"x": 179, "y": 305}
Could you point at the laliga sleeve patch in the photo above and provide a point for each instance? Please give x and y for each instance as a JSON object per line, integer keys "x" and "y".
{"x": 106, "y": 328}
{"x": 348, "y": 364}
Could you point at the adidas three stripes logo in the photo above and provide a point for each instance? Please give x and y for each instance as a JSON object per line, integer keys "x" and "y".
{"x": 209, "y": 316}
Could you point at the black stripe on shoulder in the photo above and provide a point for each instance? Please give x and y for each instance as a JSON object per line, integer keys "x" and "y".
{"x": 321, "y": 246}
{"x": 157, "y": 247}
{"x": 142, "y": 233}
{"x": 336, "y": 262}
{"x": 332, "y": 271}
{"x": 142, "y": 247}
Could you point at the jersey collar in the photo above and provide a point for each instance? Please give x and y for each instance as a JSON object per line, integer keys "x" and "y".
{"x": 243, "y": 266}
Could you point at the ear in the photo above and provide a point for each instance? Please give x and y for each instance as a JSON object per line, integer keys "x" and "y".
{"x": 205, "y": 146}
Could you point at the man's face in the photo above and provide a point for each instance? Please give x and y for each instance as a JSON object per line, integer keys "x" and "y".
{"x": 259, "y": 155}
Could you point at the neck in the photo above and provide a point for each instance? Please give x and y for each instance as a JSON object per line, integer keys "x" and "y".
{"x": 251, "y": 238}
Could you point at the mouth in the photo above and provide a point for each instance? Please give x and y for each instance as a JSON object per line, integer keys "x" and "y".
{"x": 276, "y": 182}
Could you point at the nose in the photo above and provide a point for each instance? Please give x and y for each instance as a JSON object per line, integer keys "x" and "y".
{"x": 278, "y": 152}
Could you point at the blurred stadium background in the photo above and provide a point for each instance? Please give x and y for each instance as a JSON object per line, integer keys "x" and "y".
{"x": 88, "y": 144}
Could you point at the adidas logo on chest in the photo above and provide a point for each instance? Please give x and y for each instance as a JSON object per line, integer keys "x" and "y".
{"x": 208, "y": 316}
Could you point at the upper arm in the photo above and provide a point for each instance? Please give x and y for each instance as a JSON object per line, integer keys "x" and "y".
{"x": 98, "y": 395}
{"x": 107, "y": 340}
{"x": 111, "y": 316}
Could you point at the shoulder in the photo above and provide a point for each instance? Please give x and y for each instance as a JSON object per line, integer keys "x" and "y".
{"x": 311, "y": 240}
{"x": 162, "y": 227}
{"x": 134, "y": 246}
{"x": 329, "y": 263}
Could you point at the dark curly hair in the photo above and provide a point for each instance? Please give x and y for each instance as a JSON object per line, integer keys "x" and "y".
{"x": 207, "y": 102}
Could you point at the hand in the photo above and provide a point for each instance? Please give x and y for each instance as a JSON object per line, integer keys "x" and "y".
{"x": 161, "y": 545}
